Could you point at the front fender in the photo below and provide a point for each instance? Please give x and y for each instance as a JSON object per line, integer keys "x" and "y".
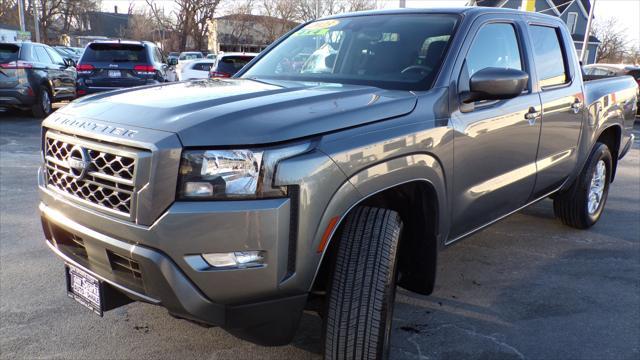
{"x": 375, "y": 179}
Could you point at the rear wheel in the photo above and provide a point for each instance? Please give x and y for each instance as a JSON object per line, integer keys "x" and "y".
{"x": 363, "y": 286}
{"x": 43, "y": 106}
{"x": 583, "y": 203}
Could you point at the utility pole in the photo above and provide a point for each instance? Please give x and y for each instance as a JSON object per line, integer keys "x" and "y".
{"x": 36, "y": 25}
{"x": 21, "y": 15}
{"x": 585, "y": 43}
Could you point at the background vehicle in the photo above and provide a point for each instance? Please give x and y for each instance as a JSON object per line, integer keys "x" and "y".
{"x": 599, "y": 71}
{"x": 189, "y": 55}
{"x": 69, "y": 53}
{"x": 240, "y": 202}
{"x": 212, "y": 56}
{"x": 173, "y": 55}
{"x": 196, "y": 69}
{"x": 114, "y": 64}
{"x": 228, "y": 64}
{"x": 34, "y": 75}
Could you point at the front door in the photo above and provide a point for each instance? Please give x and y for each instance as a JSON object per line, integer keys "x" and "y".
{"x": 495, "y": 142}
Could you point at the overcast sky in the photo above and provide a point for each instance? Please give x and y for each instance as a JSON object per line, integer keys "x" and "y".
{"x": 626, "y": 11}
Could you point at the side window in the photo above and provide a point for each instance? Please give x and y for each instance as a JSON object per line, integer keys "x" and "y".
{"x": 549, "y": 58}
{"x": 42, "y": 55}
{"x": 57, "y": 59}
{"x": 572, "y": 20}
{"x": 495, "y": 45}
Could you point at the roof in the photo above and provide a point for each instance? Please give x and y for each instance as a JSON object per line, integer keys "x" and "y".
{"x": 562, "y": 5}
{"x": 580, "y": 38}
{"x": 470, "y": 10}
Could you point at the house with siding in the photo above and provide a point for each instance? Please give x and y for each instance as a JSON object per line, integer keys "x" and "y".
{"x": 575, "y": 13}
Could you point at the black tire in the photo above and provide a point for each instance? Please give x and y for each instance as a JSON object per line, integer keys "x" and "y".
{"x": 572, "y": 206}
{"x": 362, "y": 287}
{"x": 40, "y": 109}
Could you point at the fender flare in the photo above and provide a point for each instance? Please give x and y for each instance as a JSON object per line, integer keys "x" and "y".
{"x": 418, "y": 167}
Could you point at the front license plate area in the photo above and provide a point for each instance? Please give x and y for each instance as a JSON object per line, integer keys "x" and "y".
{"x": 114, "y": 73}
{"x": 85, "y": 289}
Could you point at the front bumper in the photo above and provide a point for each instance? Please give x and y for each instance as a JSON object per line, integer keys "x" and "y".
{"x": 158, "y": 268}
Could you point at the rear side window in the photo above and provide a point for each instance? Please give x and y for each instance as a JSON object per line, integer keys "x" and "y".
{"x": 496, "y": 45}
{"x": 232, "y": 64}
{"x": 549, "y": 57}
{"x": 114, "y": 53}
{"x": 9, "y": 53}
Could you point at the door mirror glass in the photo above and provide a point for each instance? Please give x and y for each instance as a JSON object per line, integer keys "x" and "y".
{"x": 495, "y": 84}
{"x": 69, "y": 62}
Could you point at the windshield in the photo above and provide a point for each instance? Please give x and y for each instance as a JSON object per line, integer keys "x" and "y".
{"x": 389, "y": 51}
{"x": 113, "y": 53}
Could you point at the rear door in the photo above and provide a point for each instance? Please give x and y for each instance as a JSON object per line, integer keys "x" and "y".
{"x": 495, "y": 142}
{"x": 562, "y": 100}
{"x": 113, "y": 64}
{"x": 9, "y": 55}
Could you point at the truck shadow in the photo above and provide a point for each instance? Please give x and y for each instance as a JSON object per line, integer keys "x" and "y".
{"x": 528, "y": 287}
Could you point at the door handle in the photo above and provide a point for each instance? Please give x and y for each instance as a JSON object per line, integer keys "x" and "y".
{"x": 532, "y": 115}
{"x": 576, "y": 106}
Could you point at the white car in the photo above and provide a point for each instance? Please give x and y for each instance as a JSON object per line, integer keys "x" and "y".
{"x": 195, "y": 69}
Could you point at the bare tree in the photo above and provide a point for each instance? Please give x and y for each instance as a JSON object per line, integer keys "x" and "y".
{"x": 313, "y": 9}
{"x": 614, "y": 41}
{"x": 279, "y": 17}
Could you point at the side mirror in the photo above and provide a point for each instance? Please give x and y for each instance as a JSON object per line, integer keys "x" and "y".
{"x": 69, "y": 62}
{"x": 172, "y": 61}
{"x": 495, "y": 84}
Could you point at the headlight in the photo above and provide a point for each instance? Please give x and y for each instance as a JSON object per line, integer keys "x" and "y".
{"x": 232, "y": 174}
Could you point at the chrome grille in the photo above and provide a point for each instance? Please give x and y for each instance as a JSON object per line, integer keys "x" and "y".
{"x": 94, "y": 173}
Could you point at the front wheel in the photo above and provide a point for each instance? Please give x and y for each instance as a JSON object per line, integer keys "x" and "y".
{"x": 363, "y": 286}
{"x": 583, "y": 203}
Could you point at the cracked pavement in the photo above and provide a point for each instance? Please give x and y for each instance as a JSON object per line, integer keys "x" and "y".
{"x": 525, "y": 288}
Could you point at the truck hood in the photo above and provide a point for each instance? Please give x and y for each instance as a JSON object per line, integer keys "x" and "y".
{"x": 243, "y": 111}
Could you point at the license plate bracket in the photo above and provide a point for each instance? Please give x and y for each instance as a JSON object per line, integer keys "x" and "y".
{"x": 114, "y": 73}
{"x": 85, "y": 289}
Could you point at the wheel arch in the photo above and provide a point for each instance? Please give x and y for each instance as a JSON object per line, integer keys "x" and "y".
{"x": 414, "y": 186}
{"x": 612, "y": 137}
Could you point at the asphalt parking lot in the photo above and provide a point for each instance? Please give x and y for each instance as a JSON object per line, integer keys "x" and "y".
{"x": 526, "y": 288}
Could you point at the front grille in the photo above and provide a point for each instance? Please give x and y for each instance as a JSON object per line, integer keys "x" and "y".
{"x": 93, "y": 173}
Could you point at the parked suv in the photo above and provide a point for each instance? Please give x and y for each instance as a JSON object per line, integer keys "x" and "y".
{"x": 114, "y": 64}
{"x": 34, "y": 75}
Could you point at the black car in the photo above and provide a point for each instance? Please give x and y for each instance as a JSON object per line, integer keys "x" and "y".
{"x": 113, "y": 64}
{"x": 34, "y": 75}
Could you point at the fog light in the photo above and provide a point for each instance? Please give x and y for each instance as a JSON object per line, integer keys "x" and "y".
{"x": 237, "y": 259}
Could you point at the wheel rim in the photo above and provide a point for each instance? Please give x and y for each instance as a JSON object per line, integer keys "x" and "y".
{"x": 46, "y": 103}
{"x": 596, "y": 189}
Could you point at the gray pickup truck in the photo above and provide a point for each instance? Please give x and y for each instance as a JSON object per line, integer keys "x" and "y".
{"x": 333, "y": 167}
